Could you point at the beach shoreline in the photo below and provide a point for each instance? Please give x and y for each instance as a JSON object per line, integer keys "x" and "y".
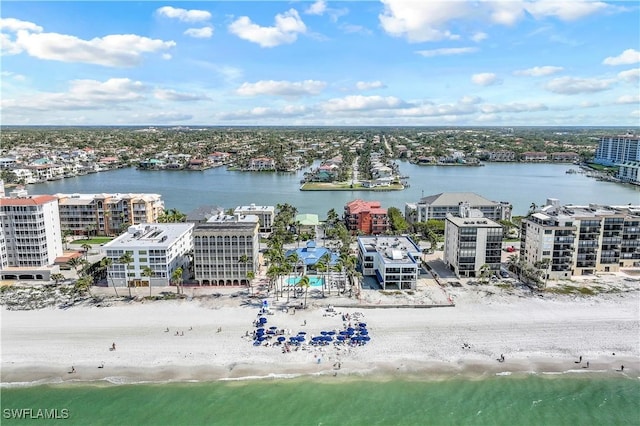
{"x": 211, "y": 340}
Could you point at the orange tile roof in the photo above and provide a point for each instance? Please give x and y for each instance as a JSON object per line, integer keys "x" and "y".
{"x": 33, "y": 200}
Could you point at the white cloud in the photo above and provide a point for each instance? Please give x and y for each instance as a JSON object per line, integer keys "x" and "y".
{"x": 572, "y": 86}
{"x": 204, "y": 32}
{"x": 118, "y": 50}
{"x": 630, "y": 76}
{"x": 513, "y": 107}
{"x": 539, "y": 71}
{"x": 565, "y": 10}
{"x": 635, "y": 113}
{"x": 162, "y": 117}
{"x": 362, "y": 103}
{"x": 287, "y": 27}
{"x": 287, "y": 111}
{"x": 629, "y": 56}
{"x": 628, "y": 99}
{"x": 172, "y": 95}
{"x": 485, "y": 79}
{"x": 13, "y": 76}
{"x": 445, "y": 51}
{"x": 588, "y": 104}
{"x": 15, "y": 25}
{"x": 355, "y": 29}
{"x": 183, "y": 14}
{"x": 479, "y": 36}
{"x": 368, "y": 85}
{"x": 281, "y": 88}
{"x": 317, "y": 8}
{"x": 506, "y": 12}
{"x": 84, "y": 94}
{"x": 421, "y": 21}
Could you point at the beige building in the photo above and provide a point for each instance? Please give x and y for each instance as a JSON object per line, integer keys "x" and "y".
{"x": 225, "y": 250}
{"x": 582, "y": 240}
{"x": 265, "y": 214}
{"x": 107, "y": 214}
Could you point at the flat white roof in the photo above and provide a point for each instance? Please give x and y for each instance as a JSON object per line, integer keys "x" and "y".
{"x": 152, "y": 235}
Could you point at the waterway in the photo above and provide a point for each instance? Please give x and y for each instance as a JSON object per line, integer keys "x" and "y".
{"x": 519, "y": 184}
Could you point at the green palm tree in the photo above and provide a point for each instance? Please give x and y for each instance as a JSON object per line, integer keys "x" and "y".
{"x": 105, "y": 264}
{"x": 126, "y": 259}
{"x": 325, "y": 264}
{"x": 65, "y": 238}
{"x": 250, "y": 276}
{"x": 148, "y": 272}
{"x": 304, "y": 283}
{"x": 57, "y": 278}
{"x": 75, "y": 263}
{"x": 86, "y": 247}
{"x": 273, "y": 272}
{"x": 83, "y": 284}
{"x": 485, "y": 273}
{"x": 176, "y": 277}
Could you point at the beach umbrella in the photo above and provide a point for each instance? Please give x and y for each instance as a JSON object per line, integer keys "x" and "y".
{"x": 302, "y": 333}
{"x": 281, "y": 339}
{"x": 331, "y": 333}
{"x": 362, "y": 324}
{"x": 256, "y": 343}
{"x": 351, "y": 329}
{"x": 273, "y": 327}
{"x": 344, "y": 332}
{"x": 324, "y": 333}
{"x": 364, "y": 332}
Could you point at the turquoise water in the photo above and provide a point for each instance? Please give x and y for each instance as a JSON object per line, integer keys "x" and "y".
{"x": 314, "y": 281}
{"x": 532, "y": 400}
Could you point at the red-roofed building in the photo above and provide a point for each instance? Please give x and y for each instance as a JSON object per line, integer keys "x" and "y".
{"x": 367, "y": 217}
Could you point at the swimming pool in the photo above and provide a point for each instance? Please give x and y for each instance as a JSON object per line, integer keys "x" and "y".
{"x": 314, "y": 281}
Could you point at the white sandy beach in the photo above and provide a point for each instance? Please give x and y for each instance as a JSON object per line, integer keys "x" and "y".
{"x": 535, "y": 335}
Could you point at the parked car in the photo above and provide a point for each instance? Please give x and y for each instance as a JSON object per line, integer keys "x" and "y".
{"x": 504, "y": 274}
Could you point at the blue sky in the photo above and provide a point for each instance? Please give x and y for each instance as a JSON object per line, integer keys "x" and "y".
{"x": 321, "y": 63}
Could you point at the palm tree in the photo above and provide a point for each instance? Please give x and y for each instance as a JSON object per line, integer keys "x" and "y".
{"x": 176, "y": 277}
{"x": 148, "y": 272}
{"x": 86, "y": 247}
{"x": 126, "y": 259}
{"x": 57, "y": 278}
{"x": 65, "y": 238}
{"x": 273, "y": 272}
{"x": 325, "y": 264}
{"x": 304, "y": 283}
{"x": 485, "y": 273}
{"x": 250, "y": 276}
{"x": 106, "y": 263}
{"x": 75, "y": 263}
{"x": 83, "y": 284}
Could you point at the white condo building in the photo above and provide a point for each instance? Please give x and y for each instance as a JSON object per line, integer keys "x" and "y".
{"x": 30, "y": 236}
{"x": 225, "y": 250}
{"x": 265, "y": 215}
{"x": 460, "y": 204}
{"x": 393, "y": 261}
{"x": 163, "y": 247}
{"x": 617, "y": 150}
{"x": 470, "y": 243}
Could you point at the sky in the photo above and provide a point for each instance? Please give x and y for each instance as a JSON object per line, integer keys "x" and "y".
{"x": 321, "y": 63}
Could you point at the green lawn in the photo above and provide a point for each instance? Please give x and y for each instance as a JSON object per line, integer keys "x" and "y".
{"x": 92, "y": 241}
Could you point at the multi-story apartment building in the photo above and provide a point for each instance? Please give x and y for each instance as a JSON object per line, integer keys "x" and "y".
{"x": 470, "y": 243}
{"x": 265, "y": 215}
{"x": 107, "y": 214}
{"x": 617, "y": 149}
{"x": 630, "y": 172}
{"x": 565, "y": 157}
{"x": 438, "y": 206}
{"x": 367, "y": 217}
{"x": 533, "y": 156}
{"x": 500, "y": 156}
{"x": 582, "y": 240}
{"x": 225, "y": 250}
{"x": 30, "y": 236}
{"x": 163, "y": 247}
{"x": 392, "y": 260}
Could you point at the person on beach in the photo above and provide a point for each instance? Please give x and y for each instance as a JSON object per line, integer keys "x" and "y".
{"x": 73, "y": 370}
{"x": 579, "y": 360}
{"x": 101, "y": 365}
{"x": 113, "y": 346}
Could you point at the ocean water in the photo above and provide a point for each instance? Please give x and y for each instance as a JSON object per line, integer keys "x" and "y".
{"x": 531, "y": 400}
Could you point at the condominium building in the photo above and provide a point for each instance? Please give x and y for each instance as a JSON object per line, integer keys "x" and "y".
{"x": 225, "y": 250}
{"x": 107, "y": 214}
{"x": 163, "y": 247}
{"x": 617, "y": 149}
{"x": 630, "y": 172}
{"x": 265, "y": 215}
{"x": 393, "y": 261}
{"x": 30, "y": 236}
{"x": 459, "y": 204}
{"x": 367, "y": 217}
{"x": 470, "y": 243}
{"x": 582, "y": 240}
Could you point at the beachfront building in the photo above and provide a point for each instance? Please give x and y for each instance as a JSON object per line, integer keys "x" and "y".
{"x": 367, "y": 217}
{"x": 392, "y": 261}
{"x": 615, "y": 150}
{"x": 459, "y": 204}
{"x": 163, "y": 247}
{"x": 265, "y": 215}
{"x": 107, "y": 214}
{"x": 470, "y": 242}
{"x": 225, "y": 250}
{"x": 30, "y": 236}
{"x": 581, "y": 240}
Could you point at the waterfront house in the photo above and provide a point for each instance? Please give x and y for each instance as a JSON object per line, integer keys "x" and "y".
{"x": 262, "y": 163}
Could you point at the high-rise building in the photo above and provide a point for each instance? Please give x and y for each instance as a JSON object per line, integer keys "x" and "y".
{"x": 107, "y": 214}
{"x": 581, "y": 240}
{"x": 470, "y": 243}
{"x": 225, "y": 250}
{"x": 615, "y": 150}
{"x": 30, "y": 236}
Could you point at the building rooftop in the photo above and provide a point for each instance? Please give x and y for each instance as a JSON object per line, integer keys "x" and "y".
{"x": 455, "y": 198}
{"x": 159, "y": 235}
{"x": 472, "y": 222}
{"x": 31, "y": 200}
{"x": 307, "y": 219}
{"x": 392, "y": 249}
{"x": 253, "y": 207}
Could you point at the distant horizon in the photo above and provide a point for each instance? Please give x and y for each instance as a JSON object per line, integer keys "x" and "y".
{"x": 384, "y": 63}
